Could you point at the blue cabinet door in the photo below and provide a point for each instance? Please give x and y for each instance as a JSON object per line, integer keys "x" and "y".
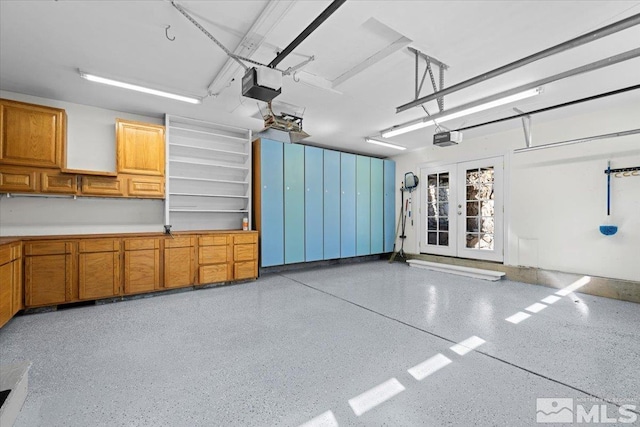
{"x": 293, "y": 203}
{"x": 363, "y": 205}
{"x": 347, "y": 205}
{"x": 331, "y": 206}
{"x": 377, "y": 206}
{"x": 313, "y": 200}
{"x": 389, "y": 204}
{"x": 271, "y": 203}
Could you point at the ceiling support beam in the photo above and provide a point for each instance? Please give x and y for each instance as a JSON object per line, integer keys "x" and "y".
{"x": 570, "y": 44}
{"x": 634, "y": 53}
{"x": 306, "y": 32}
{"x": 553, "y": 107}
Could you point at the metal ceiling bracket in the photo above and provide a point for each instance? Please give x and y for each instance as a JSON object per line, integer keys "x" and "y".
{"x": 570, "y": 44}
{"x": 429, "y": 60}
{"x": 526, "y": 126}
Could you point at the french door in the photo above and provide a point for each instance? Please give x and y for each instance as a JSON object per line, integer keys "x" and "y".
{"x": 462, "y": 212}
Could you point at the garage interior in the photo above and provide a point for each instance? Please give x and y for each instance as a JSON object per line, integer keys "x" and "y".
{"x": 319, "y": 213}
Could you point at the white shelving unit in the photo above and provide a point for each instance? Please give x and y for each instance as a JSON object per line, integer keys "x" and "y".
{"x": 208, "y": 184}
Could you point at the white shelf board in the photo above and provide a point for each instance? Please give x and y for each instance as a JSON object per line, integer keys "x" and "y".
{"x": 235, "y": 153}
{"x": 228, "y": 196}
{"x": 209, "y": 210}
{"x": 203, "y": 132}
{"x": 224, "y": 181}
{"x": 200, "y": 163}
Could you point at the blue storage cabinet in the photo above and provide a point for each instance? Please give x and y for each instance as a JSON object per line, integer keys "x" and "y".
{"x": 271, "y": 203}
{"x": 377, "y": 206}
{"x": 389, "y": 204}
{"x": 347, "y": 205}
{"x": 313, "y": 204}
{"x": 363, "y": 205}
{"x": 319, "y": 204}
{"x": 331, "y": 208}
{"x": 293, "y": 203}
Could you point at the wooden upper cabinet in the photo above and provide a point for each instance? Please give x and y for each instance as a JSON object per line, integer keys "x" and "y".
{"x": 32, "y": 135}
{"x": 141, "y": 148}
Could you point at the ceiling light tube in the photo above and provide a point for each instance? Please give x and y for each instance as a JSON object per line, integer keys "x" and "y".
{"x": 384, "y": 144}
{"x": 429, "y": 121}
{"x": 106, "y": 81}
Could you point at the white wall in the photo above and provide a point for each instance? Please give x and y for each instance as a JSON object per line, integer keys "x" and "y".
{"x": 556, "y": 198}
{"x": 90, "y": 146}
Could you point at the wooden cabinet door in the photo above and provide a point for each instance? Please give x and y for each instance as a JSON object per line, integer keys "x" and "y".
{"x": 102, "y": 186}
{"x": 99, "y": 275}
{"x": 6, "y": 292}
{"x": 140, "y": 148}
{"x": 21, "y": 180}
{"x": 53, "y": 182}
{"x": 179, "y": 267}
{"x": 245, "y": 270}
{"x": 47, "y": 279}
{"x": 213, "y": 273}
{"x": 31, "y": 135}
{"x": 18, "y": 289}
{"x": 141, "y": 271}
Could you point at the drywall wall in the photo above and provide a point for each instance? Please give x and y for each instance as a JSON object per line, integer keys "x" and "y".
{"x": 555, "y": 199}
{"x": 90, "y": 146}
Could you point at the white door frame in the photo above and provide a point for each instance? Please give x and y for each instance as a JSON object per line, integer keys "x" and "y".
{"x": 442, "y": 165}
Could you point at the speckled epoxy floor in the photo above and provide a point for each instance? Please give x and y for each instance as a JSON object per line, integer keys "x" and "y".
{"x": 292, "y": 346}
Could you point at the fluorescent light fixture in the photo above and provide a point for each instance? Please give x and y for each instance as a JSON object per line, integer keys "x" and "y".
{"x": 384, "y": 144}
{"x": 103, "y": 80}
{"x": 428, "y": 121}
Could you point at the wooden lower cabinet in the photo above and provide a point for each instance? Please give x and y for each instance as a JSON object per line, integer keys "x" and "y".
{"x": 215, "y": 258}
{"x": 6, "y": 292}
{"x": 48, "y": 279}
{"x": 179, "y": 262}
{"x": 141, "y": 266}
{"x": 40, "y": 273}
{"x": 99, "y": 275}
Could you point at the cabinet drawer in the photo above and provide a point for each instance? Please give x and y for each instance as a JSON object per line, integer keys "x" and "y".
{"x": 245, "y": 270}
{"x": 52, "y": 182}
{"x": 212, "y": 240}
{"x": 212, "y": 254}
{"x": 145, "y": 187}
{"x": 179, "y": 242}
{"x": 140, "y": 244}
{"x": 17, "y": 180}
{"x": 99, "y": 245}
{"x": 102, "y": 186}
{"x": 244, "y": 252}
{"x": 245, "y": 238}
{"x": 47, "y": 248}
{"x": 213, "y": 273}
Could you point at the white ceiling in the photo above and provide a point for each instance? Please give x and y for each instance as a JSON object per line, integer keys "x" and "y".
{"x": 44, "y": 43}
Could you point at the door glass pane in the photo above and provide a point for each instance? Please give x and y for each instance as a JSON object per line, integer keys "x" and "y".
{"x": 438, "y": 209}
{"x": 480, "y": 224}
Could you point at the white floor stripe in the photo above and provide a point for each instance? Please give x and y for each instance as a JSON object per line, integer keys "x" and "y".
{"x": 377, "y": 395}
{"x": 518, "y": 317}
{"x": 429, "y": 366}
{"x": 326, "y": 419}
{"x": 536, "y": 308}
{"x": 574, "y": 286}
{"x": 464, "y": 347}
{"x": 551, "y": 299}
